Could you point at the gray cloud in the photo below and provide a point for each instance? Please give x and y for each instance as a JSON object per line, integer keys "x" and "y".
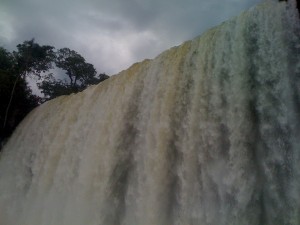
{"x": 112, "y": 34}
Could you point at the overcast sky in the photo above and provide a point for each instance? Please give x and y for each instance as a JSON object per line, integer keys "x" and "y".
{"x": 112, "y": 34}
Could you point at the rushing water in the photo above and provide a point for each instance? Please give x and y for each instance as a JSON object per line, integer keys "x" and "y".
{"x": 207, "y": 133}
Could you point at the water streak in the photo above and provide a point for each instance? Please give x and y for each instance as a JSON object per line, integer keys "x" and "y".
{"x": 207, "y": 133}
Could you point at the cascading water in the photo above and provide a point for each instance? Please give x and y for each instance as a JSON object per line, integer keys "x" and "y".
{"x": 207, "y": 133}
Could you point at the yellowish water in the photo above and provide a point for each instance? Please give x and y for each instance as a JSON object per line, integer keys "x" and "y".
{"x": 207, "y": 133}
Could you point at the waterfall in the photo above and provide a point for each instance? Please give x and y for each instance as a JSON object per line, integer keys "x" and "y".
{"x": 207, "y": 133}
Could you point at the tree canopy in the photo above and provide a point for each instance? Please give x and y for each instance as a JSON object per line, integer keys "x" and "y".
{"x": 31, "y": 59}
{"x": 12, "y": 110}
{"x": 80, "y": 75}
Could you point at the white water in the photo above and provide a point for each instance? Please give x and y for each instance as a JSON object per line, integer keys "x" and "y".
{"x": 207, "y": 133}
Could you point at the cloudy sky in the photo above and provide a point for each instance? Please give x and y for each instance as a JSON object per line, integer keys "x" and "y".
{"x": 112, "y": 34}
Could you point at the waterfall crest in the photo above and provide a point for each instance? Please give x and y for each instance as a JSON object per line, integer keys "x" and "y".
{"x": 207, "y": 133}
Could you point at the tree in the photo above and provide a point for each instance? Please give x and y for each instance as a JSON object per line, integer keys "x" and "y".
{"x": 31, "y": 58}
{"x": 80, "y": 75}
{"x": 53, "y": 88}
{"x": 23, "y": 100}
{"x": 6, "y": 60}
{"x": 78, "y": 71}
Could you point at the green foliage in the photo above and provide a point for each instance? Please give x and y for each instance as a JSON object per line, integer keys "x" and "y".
{"x": 6, "y": 60}
{"x": 80, "y": 75}
{"x": 33, "y": 59}
{"x": 30, "y": 58}
{"x": 75, "y": 66}
{"x": 52, "y": 88}
{"x": 23, "y": 102}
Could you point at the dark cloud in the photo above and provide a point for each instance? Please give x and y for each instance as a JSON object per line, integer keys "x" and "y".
{"x": 112, "y": 34}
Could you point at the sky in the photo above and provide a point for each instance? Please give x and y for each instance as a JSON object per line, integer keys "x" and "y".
{"x": 112, "y": 34}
